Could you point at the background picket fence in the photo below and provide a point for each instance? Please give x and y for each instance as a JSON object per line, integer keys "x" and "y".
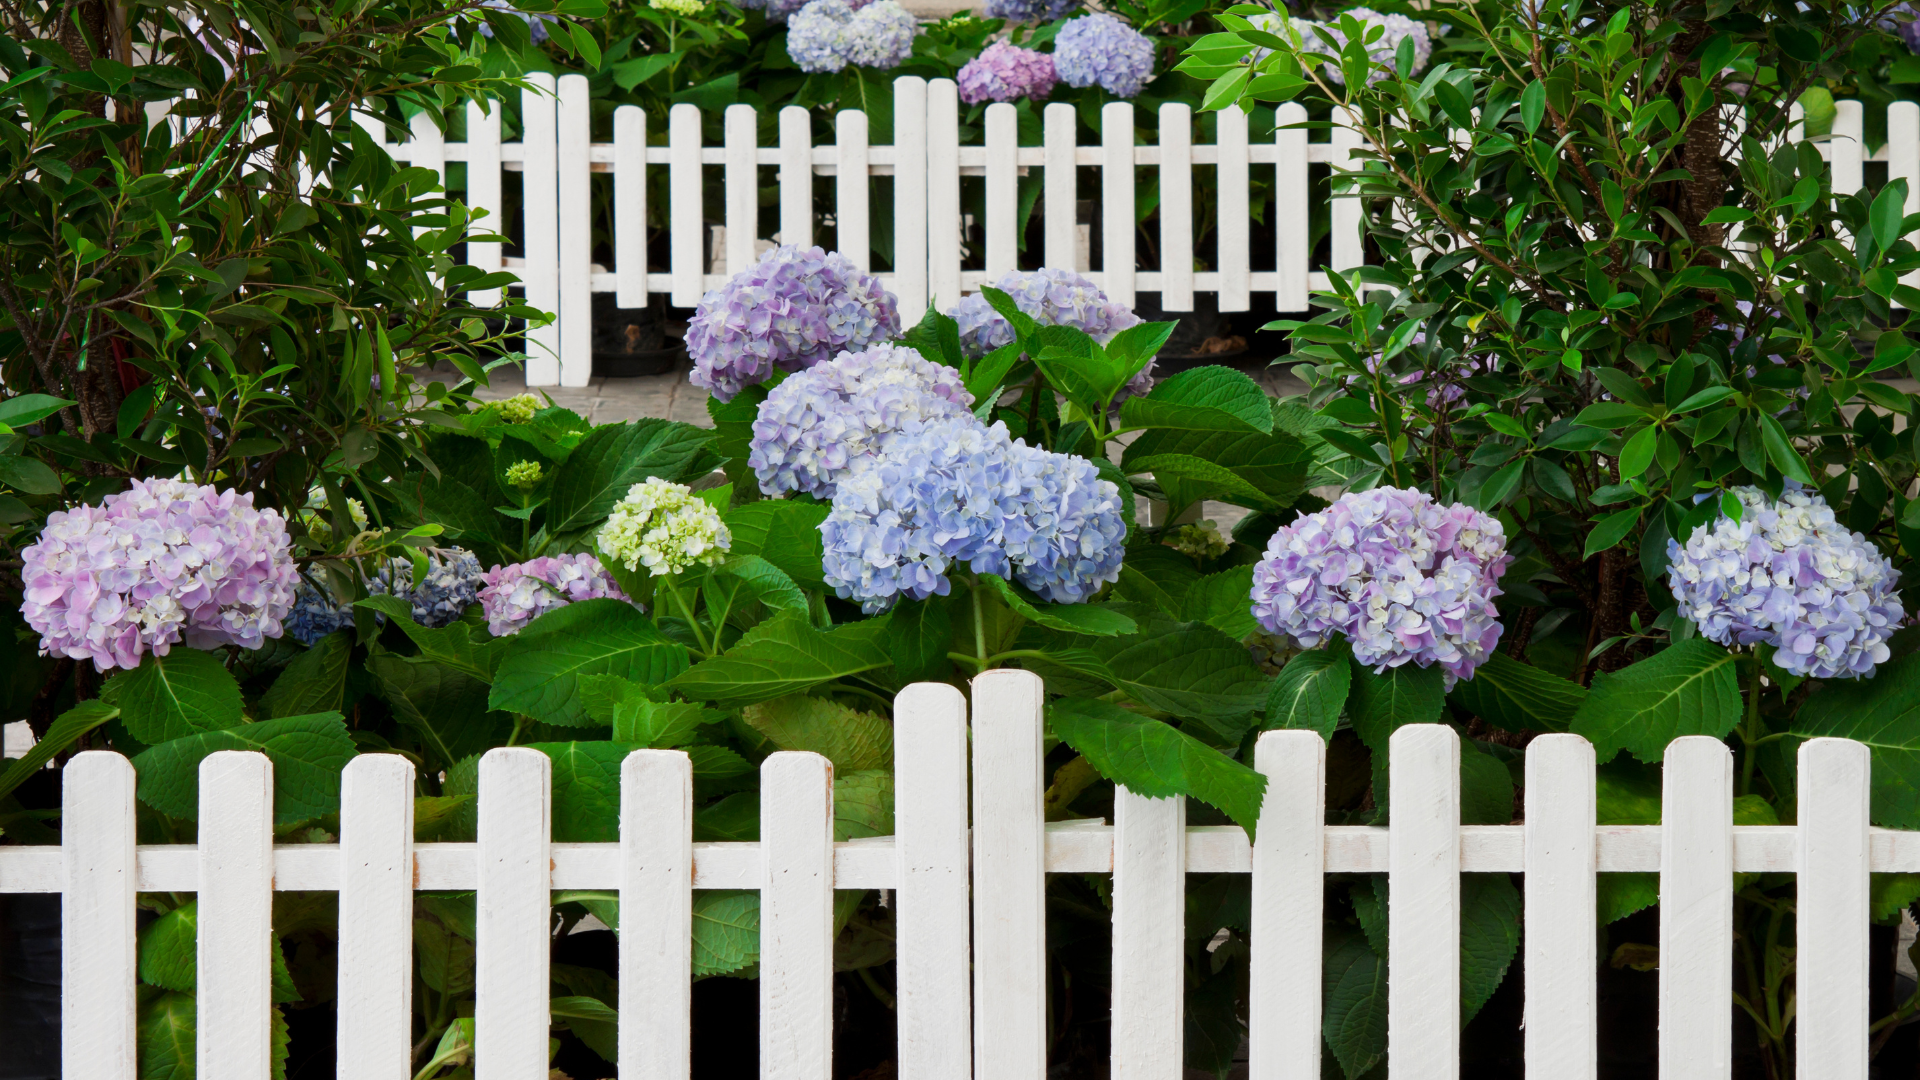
{"x": 556, "y": 156}
{"x": 971, "y": 976}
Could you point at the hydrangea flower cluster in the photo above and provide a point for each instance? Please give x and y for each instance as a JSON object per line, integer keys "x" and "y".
{"x": 951, "y": 491}
{"x": 1030, "y": 11}
{"x": 1006, "y": 72}
{"x": 793, "y": 309}
{"x": 313, "y": 515}
{"x": 1790, "y": 576}
{"x": 682, "y": 8}
{"x": 519, "y": 593}
{"x": 1052, "y": 298}
{"x": 525, "y": 475}
{"x": 1382, "y": 50}
{"x": 519, "y": 408}
{"x": 827, "y": 419}
{"x": 1201, "y": 540}
{"x": 451, "y": 586}
{"x": 1101, "y": 50}
{"x": 777, "y": 11}
{"x": 827, "y": 35}
{"x": 664, "y": 527}
{"x": 163, "y": 561}
{"x": 1399, "y": 575}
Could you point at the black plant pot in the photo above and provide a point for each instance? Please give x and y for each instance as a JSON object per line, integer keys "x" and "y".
{"x": 632, "y": 342}
{"x": 1205, "y": 335}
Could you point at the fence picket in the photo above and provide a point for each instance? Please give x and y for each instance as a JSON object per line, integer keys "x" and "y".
{"x": 1832, "y": 912}
{"x": 1294, "y": 240}
{"x": 1116, "y": 202}
{"x": 375, "y": 1012}
{"x": 1847, "y": 148}
{"x": 656, "y": 891}
{"x": 796, "y": 176}
{"x": 910, "y": 163}
{"x": 796, "y": 917}
{"x": 1903, "y": 158}
{"x": 512, "y": 910}
{"x": 930, "y": 834}
{"x": 98, "y": 950}
{"x": 540, "y": 215}
{"x": 685, "y": 205}
{"x": 853, "y": 158}
{"x": 1062, "y": 188}
{"x": 1423, "y": 913}
{"x": 1232, "y": 229}
{"x": 429, "y": 149}
{"x": 483, "y": 192}
{"x": 1288, "y": 895}
{"x": 1149, "y": 935}
{"x": 1176, "y": 207}
{"x": 574, "y": 184}
{"x": 1562, "y": 1022}
{"x": 1696, "y": 910}
{"x": 742, "y": 186}
{"x": 943, "y": 193}
{"x": 233, "y": 954}
{"x": 630, "y": 206}
{"x": 1349, "y": 250}
{"x": 1009, "y": 878}
{"x": 1003, "y": 189}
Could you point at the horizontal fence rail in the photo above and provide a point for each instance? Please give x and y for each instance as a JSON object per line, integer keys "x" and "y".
{"x": 971, "y": 953}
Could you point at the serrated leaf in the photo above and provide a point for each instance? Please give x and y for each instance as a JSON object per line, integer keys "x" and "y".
{"x": 1155, "y": 759}
{"x": 785, "y": 533}
{"x": 1353, "y": 989}
{"x": 172, "y": 696}
{"x": 1689, "y": 688}
{"x": 307, "y": 752}
{"x": 1381, "y": 704}
{"x": 848, "y": 737}
{"x": 1202, "y": 399}
{"x": 166, "y": 1037}
{"x": 918, "y": 635}
{"x": 586, "y": 790}
{"x": 862, "y": 804}
{"x": 726, "y": 930}
{"x": 541, "y": 667}
{"x": 1091, "y": 619}
{"x": 1223, "y": 602}
{"x": 1311, "y": 691}
{"x": 613, "y": 458}
{"x": 452, "y": 645}
{"x": 759, "y": 579}
{"x": 1514, "y": 696}
{"x": 314, "y": 681}
{"x": 1199, "y": 479}
{"x": 443, "y": 707}
{"x": 786, "y": 655}
{"x": 1884, "y": 713}
{"x": 1186, "y": 669}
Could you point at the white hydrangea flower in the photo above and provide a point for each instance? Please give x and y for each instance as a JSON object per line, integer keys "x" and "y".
{"x": 664, "y": 527}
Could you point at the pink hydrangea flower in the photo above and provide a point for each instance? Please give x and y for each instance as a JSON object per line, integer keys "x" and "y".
{"x": 519, "y": 593}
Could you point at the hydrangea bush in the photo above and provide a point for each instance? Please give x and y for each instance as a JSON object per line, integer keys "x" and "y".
{"x": 791, "y": 310}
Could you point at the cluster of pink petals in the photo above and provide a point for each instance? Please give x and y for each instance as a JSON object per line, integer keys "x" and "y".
{"x": 519, "y": 593}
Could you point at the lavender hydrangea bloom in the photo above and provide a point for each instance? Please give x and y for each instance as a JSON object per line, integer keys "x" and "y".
{"x": 519, "y": 593}
{"x": 1052, "y": 298}
{"x": 1382, "y": 50}
{"x": 827, "y": 419}
{"x": 1790, "y": 576}
{"x": 827, "y": 35}
{"x": 1400, "y": 576}
{"x": 793, "y": 309}
{"x": 952, "y": 491}
{"x": 161, "y": 562}
{"x": 1100, "y": 50}
{"x": 881, "y": 36}
{"x": 1030, "y": 11}
{"x": 1005, "y": 72}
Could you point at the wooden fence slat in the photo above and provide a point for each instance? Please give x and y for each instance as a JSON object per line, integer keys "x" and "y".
{"x": 852, "y": 235}
{"x": 1696, "y": 910}
{"x": 375, "y": 1009}
{"x": 1176, "y": 207}
{"x": 1832, "y": 914}
{"x": 98, "y": 950}
{"x": 796, "y": 917}
{"x": 429, "y": 149}
{"x": 1062, "y": 187}
{"x": 512, "y": 911}
{"x": 1349, "y": 247}
{"x": 233, "y": 954}
{"x": 796, "y": 176}
{"x": 1903, "y": 159}
{"x": 943, "y": 194}
{"x": 1235, "y": 221}
{"x": 1116, "y": 202}
{"x": 932, "y": 917}
{"x": 1562, "y": 1028}
{"x": 1423, "y": 911}
{"x": 656, "y": 904}
{"x": 742, "y": 186}
{"x": 540, "y": 217}
{"x": 630, "y": 206}
{"x": 685, "y": 206}
{"x": 1848, "y": 147}
{"x": 910, "y": 197}
{"x": 1293, "y": 227}
{"x": 575, "y": 189}
{"x": 1003, "y": 189}
{"x": 1009, "y": 878}
{"x": 1149, "y": 936}
{"x": 1288, "y": 889}
{"x": 483, "y": 191}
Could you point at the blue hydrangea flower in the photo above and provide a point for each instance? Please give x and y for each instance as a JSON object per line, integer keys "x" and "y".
{"x": 827, "y": 35}
{"x": 1401, "y": 577}
{"x": 1788, "y": 575}
{"x": 453, "y": 582}
{"x": 830, "y": 418}
{"x": 1030, "y": 11}
{"x": 1100, "y": 50}
{"x": 793, "y": 309}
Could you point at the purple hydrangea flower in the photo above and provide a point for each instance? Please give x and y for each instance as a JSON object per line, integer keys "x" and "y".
{"x": 829, "y": 418}
{"x": 1790, "y": 576}
{"x": 1030, "y": 11}
{"x": 1004, "y": 72}
{"x": 1400, "y": 576}
{"x": 1100, "y": 50}
{"x": 827, "y": 35}
{"x": 952, "y": 491}
{"x": 793, "y": 309}
{"x": 159, "y": 563}
{"x": 1052, "y": 298}
{"x": 517, "y": 594}
{"x": 451, "y": 586}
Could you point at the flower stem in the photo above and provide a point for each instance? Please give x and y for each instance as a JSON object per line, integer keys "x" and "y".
{"x": 979, "y": 623}
{"x": 1752, "y": 733}
{"x": 671, "y": 581}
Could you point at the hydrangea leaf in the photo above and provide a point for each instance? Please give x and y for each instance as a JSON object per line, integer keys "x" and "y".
{"x": 541, "y": 667}
{"x": 1489, "y": 931}
{"x": 586, "y": 790}
{"x": 444, "y": 707}
{"x": 613, "y": 458}
{"x": 1689, "y": 688}
{"x": 1515, "y": 696}
{"x": 1202, "y": 399}
{"x": 173, "y": 696}
{"x": 659, "y": 724}
{"x": 307, "y": 752}
{"x": 452, "y": 645}
{"x": 445, "y": 960}
{"x": 1382, "y": 703}
{"x": 850, "y": 738}
{"x": 315, "y": 680}
{"x": 717, "y": 763}
{"x": 167, "y": 955}
{"x": 919, "y": 633}
{"x": 1186, "y": 669}
{"x": 862, "y": 804}
{"x": 1196, "y": 478}
{"x": 461, "y": 498}
{"x": 726, "y": 931}
{"x": 1220, "y": 601}
{"x": 165, "y": 1037}
{"x": 590, "y": 1020}
{"x": 1354, "y": 989}
{"x": 1276, "y": 463}
{"x": 1155, "y": 759}
{"x": 1156, "y": 575}
{"x": 1091, "y": 619}
{"x": 1486, "y": 787}
{"x": 786, "y": 655}
{"x": 1311, "y": 691}
{"x": 1884, "y": 713}
{"x": 785, "y": 533}
{"x": 744, "y": 578}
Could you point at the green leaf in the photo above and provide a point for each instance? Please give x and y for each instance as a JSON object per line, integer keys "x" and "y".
{"x": 166, "y": 954}
{"x": 785, "y": 655}
{"x": 444, "y": 960}
{"x": 658, "y": 725}
{"x": 1637, "y": 454}
{"x": 172, "y": 696}
{"x": 1883, "y": 217}
{"x": 613, "y": 458}
{"x": 592, "y": 1021}
{"x": 1201, "y": 479}
{"x": 726, "y": 931}
{"x": 1089, "y": 619}
{"x": 862, "y": 803}
{"x": 1780, "y": 451}
{"x": 452, "y": 645}
{"x": 61, "y": 734}
{"x": 1202, "y": 399}
{"x": 1514, "y": 696}
{"x": 165, "y": 1037}
{"x": 1156, "y": 575}
{"x": 1276, "y": 463}
{"x": 763, "y": 581}
{"x": 586, "y": 790}
{"x": 1311, "y": 691}
{"x": 29, "y": 476}
{"x": 1689, "y": 688}
{"x": 307, "y": 753}
{"x": 1383, "y": 703}
{"x": 1222, "y": 601}
{"x": 1533, "y": 105}
{"x": 23, "y": 409}
{"x": 1611, "y": 530}
{"x": 1626, "y": 793}
{"x": 315, "y": 681}
{"x": 1354, "y": 993}
{"x": 918, "y": 635}
{"x": 785, "y": 533}
{"x": 1186, "y": 669}
{"x": 1155, "y": 759}
{"x": 846, "y": 736}
{"x": 541, "y": 667}
{"x": 1884, "y": 713}
{"x": 444, "y": 708}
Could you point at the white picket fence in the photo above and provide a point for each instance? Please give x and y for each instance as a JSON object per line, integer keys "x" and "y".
{"x": 556, "y": 156}
{"x": 971, "y": 955}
